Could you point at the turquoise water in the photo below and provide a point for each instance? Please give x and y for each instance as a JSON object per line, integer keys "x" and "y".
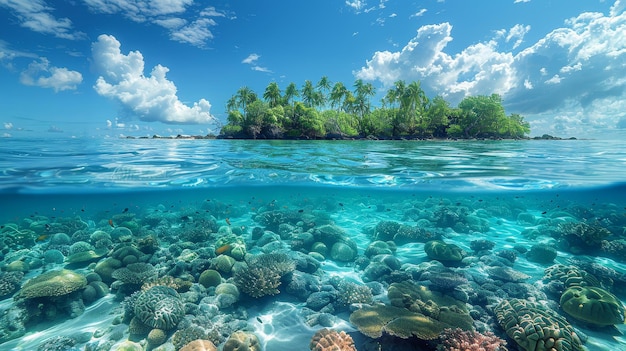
{"x": 195, "y": 197}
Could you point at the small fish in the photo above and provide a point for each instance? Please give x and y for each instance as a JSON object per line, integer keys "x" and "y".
{"x": 258, "y": 319}
{"x": 111, "y": 223}
{"x": 220, "y": 250}
{"x": 227, "y": 220}
{"x": 48, "y": 227}
{"x": 125, "y": 210}
{"x": 300, "y": 211}
{"x": 41, "y": 238}
{"x": 544, "y": 212}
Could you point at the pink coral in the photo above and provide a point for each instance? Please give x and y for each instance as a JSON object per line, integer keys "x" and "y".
{"x": 462, "y": 340}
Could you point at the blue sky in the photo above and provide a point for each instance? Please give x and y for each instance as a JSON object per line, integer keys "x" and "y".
{"x": 143, "y": 67}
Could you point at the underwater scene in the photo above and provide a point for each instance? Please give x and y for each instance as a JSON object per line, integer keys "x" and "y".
{"x": 312, "y": 245}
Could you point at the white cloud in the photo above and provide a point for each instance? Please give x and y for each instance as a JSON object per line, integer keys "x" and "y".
{"x": 419, "y": 13}
{"x": 528, "y": 84}
{"x": 252, "y": 58}
{"x": 196, "y": 33}
{"x": 578, "y": 66}
{"x": 556, "y": 79}
{"x": 167, "y": 14}
{"x": 139, "y": 10}
{"x": 357, "y": 5}
{"x": 37, "y": 16}
{"x": 41, "y": 74}
{"x": 151, "y": 98}
{"x": 517, "y": 33}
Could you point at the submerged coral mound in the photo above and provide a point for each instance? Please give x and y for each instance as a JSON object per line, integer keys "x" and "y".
{"x": 160, "y": 307}
{"x": 535, "y": 327}
{"x": 53, "y": 283}
{"x": 592, "y": 305}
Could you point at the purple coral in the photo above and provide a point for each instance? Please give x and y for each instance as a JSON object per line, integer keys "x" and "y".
{"x": 463, "y": 340}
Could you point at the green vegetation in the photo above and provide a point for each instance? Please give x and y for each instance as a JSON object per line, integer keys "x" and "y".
{"x": 324, "y": 110}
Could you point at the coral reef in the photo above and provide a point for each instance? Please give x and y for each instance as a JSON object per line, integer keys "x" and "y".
{"x": 262, "y": 274}
{"x": 535, "y": 327}
{"x": 242, "y": 341}
{"x": 53, "y": 283}
{"x": 159, "y": 307}
{"x": 331, "y": 340}
{"x": 10, "y": 282}
{"x": 463, "y": 340}
{"x": 443, "y": 252}
{"x": 592, "y": 305}
{"x": 199, "y": 345}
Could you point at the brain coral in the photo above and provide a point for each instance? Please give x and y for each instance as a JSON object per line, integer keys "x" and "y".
{"x": 160, "y": 307}
{"x": 592, "y": 305}
{"x": 53, "y": 283}
{"x": 569, "y": 276}
{"x": 331, "y": 340}
{"x": 536, "y": 328}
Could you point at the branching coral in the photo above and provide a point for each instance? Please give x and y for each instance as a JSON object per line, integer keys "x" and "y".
{"x": 263, "y": 273}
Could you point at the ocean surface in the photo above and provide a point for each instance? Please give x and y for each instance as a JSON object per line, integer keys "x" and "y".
{"x": 348, "y": 220}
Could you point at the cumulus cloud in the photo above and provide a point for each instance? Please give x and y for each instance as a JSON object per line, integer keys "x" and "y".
{"x": 37, "y": 16}
{"x": 165, "y": 13}
{"x": 151, "y": 98}
{"x": 42, "y": 74}
{"x": 575, "y": 69}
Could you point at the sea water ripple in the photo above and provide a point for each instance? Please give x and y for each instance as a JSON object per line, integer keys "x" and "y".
{"x": 29, "y": 165}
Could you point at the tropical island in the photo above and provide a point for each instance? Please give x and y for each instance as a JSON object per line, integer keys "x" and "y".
{"x": 332, "y": 111}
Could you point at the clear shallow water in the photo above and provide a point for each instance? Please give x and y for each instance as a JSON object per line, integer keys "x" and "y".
{"x": 140, "y": 163}
{"x": 351, "y": 185}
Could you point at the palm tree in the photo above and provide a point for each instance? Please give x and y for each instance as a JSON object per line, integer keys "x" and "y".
{"x": 363, "y": 92}
{"x": 308, "y": 94}
{"x": 291, "y": 92}
{"x": 272, "y": 94}
{"x": 323, "y": 87}
{"x": 337, "y": 95}
{"x": 244, "y": 97}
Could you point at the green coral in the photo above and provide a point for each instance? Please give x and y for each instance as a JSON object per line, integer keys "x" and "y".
{"x": 210, "y": 277}
{"x": 535, "y": 327}
{"x": 443, "y": 252}
{"x": 160, "y": 307}
{"x": 592, "y": 305}
{"x": 443, "y": 308}
{"x": 53, "y": 283}
{"x": 375, "y": 320}
{"x": 570, "y": 276}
